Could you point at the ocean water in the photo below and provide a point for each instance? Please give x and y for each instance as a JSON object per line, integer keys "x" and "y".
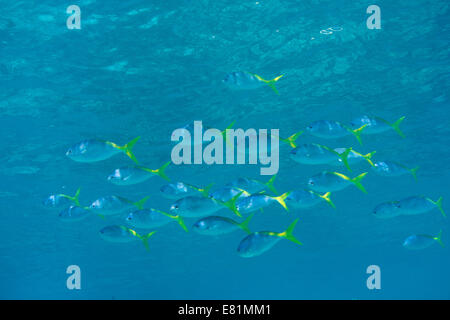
{"x": 145, "y": 68}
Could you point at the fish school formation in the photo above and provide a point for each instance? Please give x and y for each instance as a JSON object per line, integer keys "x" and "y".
{"x": 243, "y": 197}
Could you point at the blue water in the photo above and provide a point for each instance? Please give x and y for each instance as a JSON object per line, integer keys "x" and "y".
{"x": 145, "y": 68}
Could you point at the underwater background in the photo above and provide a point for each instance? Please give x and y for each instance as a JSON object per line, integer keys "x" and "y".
{"x": 145, "y": 68}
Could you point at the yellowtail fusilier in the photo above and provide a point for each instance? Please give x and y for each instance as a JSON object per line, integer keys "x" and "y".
{"x": 122, "y": 234}
{"x": 257, "y": 243}
{"x": 422, "y": 241}
{"x": 111, "y": 205}
{"x": 215, "y": 225}
{"x": 393, "y": 169}
{"x": 387, "y": 210}
{"x": 354, "y": 157}
{"x": 304, "y": 199}
{"x": 94, "y": 150}
{"x": 196, "y": 207}
{"x": 256, "y": 202}
{"x": 61, "y": 200}
{"x": 74, "y": 213}
{"x": 420, "y": 204}
{"x": 375, "y": 125}
{"x": 225, "y": 194}
{"x": 327, "y": 181}
{"x": 243, "y": 80}
{"x": 130, "y": 175}
{"x": 316, "y": 154}
{"x": 179, "y": 190}
{"x": 332, "y": 130}
{"x": 152, "y": 219}
{"x": 253, "y": 185}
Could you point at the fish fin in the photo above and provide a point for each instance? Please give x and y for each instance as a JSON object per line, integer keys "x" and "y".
{"x": 357, "y": 182}
{"x": 128, "y": 149}
{"x": 368, "y": 157}
{"x": 414, "y": 172}
{"x": 140, "y": 204}
{"x": 231, "y": 204}
{"x": 291, "y": 140}
{"x": 288, "y": 233}
{"x": 101, "y": 216}
{"x": 344, "y": 157}
{"x": 281, "y": 199}
{"x": 269, "y": 184}
{"x": 161, "y": 171}
{"x": 181, "y": 222}
{"x": 145, "y": 238}
{"x": 438, "y": 204}
{"x": 76, "y": 197}
{"x": 357, "y": 133}
{"x": 327, "y": 198}
{"x": 244, "y": 224}
{"x": 396, "y": 126}
{"x": 205, "y": 191}
{"x": 439, "y": 240}
{"x": 270, "y": 83}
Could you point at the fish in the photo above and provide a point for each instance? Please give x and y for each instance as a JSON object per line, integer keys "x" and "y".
{"x": 130, "y": 175}
{"x": 291, "y": 139}
{"x": 225, "y": 194}
{"x": 122, "y": 234}
{"x": 179, "y": 190}
{"x": 257, "y": 243}
{"x": 304, "y": 199}
{"x": 327, "y": 181}
{"x": 94, "y": 150}
{"x": 61, "y": 200}
{"x": 316, "y": 154}
{"x": 387, "y": 210}
{"x": 252, "y": 185}
{"x": 74, "y": 213}
{"x": 354, "y": 157}
{"x": 332, "y": 130}
{"x": 393, "y": 169}
{"x": 111, "y": 205}
{"x": 215, "y": 225}
{"x": 375, "y": 125}
{"x": 420, "y": 204}
{"x": 259, "y": 201}
{"x": 243, "y": 80}
{"x": 422, "y": 241}
{"x": 152, "y": 219}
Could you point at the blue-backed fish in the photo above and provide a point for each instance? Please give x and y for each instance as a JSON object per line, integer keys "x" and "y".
{"x": 111, "y": 205}
{"x": 354, "y": 157}
{"x": 422, "y": 241}
{"x": 198, "y": 206}
{"x": 152, "y": 219}
{"x": 393, "y": 169}
{"x": 225, "y": 194}
{"x": 257, "y": 243}
{"x": 375, "y": 125}
{"x": 420, "y": 204}
{"x": 387, "y": 210}
{"x": 252, "y": 185}
{"x": 130, "y": 175}
{"x": 74, "y": 213}
{"x": 332, "y": 130}
{"x": 304, "y": 199}
{"x": 316, "y": 154}
{"x": 94, "y": 150}
{"x": 179, "y": 190}
{"x": 122, "y": 234}
{"x": 243, "y": 80}
{"x": 215, "y": 225}
{"x": 327, "y": 181}
{"x": 260, "y": 201}
{"x": 61, "y": 200}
